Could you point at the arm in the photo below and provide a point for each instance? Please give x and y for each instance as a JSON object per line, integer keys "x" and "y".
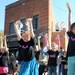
{"x": 1, "y": 42}
{"x": 16, "y": 27}
{"x": 69, "y": 15}
{"x": 5, "y": 44}
{"x": 31, "y": 29}
{"x": 32, "y": 34}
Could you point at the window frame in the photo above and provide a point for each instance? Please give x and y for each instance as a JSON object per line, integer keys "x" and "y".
{"x": 34, "y": 24}
{"x": 11, "y": 25}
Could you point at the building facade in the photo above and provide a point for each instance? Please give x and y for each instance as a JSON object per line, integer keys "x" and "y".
{"x": 40, "y": 11}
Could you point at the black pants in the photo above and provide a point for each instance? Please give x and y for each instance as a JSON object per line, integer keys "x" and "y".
{"x": 41, "y": 69}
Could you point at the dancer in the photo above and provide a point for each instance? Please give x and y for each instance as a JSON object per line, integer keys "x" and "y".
{"x": 4, "y": 55}
{"x": 29, "y": 65}
{"x": 52, "y": 62}
{"x": 42, "y": 58}
{"x": 71, "y": 45}
{"x": 71, "y": 50}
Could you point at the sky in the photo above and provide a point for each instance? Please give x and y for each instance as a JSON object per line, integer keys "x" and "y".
{"x": 3, "y": 3}
{"x": 59, "y": 10}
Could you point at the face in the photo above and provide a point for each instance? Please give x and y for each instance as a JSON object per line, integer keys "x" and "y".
{"x": 73, "y": 30}
{"x": 53, "y": 48}
{"x": 26, "y": 36}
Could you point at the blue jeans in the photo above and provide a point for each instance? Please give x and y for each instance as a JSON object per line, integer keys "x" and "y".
{"x": 71, "y": 65}
{"x": 52, "y": 70}
{"x": 61, "y": 69}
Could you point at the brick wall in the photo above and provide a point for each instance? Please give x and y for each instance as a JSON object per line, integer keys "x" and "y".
{"x": 27, "y": 9}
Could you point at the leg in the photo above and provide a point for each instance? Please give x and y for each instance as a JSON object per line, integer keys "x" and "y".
{"x": 63, "y": 69}
{"x": 59, "y": 69}
{"x": 54, "y": 70}
{"x": 71, "y": 65}
{"x": 41, "y": 69}
{"x": 50, "y": 70}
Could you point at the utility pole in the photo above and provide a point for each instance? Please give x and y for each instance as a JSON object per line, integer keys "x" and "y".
{"x": 69, "y": 15}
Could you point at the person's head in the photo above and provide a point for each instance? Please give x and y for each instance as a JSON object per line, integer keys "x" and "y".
{"x": 26, "y": 36}
{"x": 53, "y": 47}
{"x": 61, "y": 49}
{"x": 73, "y": 28}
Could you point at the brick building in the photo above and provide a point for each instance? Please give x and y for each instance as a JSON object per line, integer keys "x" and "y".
{"x": 40, "y": 10}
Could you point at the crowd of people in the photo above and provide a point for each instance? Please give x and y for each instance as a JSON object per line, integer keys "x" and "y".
{"x": 55, "y": 62}
{"x": 46, "y": 60}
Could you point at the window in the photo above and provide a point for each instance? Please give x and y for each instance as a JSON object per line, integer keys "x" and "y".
{"x": 23, "y": 26}
{"x": 36, "y": 22}
{"x": 11, "y": 28}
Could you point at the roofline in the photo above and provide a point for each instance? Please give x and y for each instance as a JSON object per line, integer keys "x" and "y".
{"x": 14, "y": 4}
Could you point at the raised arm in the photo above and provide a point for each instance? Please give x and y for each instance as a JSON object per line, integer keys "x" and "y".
{"x": 69, "y": 15}
{"x": 17, "y": 30}
{"x": 31, "y": 29}
{"x": 1, "y": 42}
{"x": 5, "y": 44}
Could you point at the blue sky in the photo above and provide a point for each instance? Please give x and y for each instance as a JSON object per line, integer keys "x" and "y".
{"x": 3, "y": 3}
{"x": 59, "y": 8}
